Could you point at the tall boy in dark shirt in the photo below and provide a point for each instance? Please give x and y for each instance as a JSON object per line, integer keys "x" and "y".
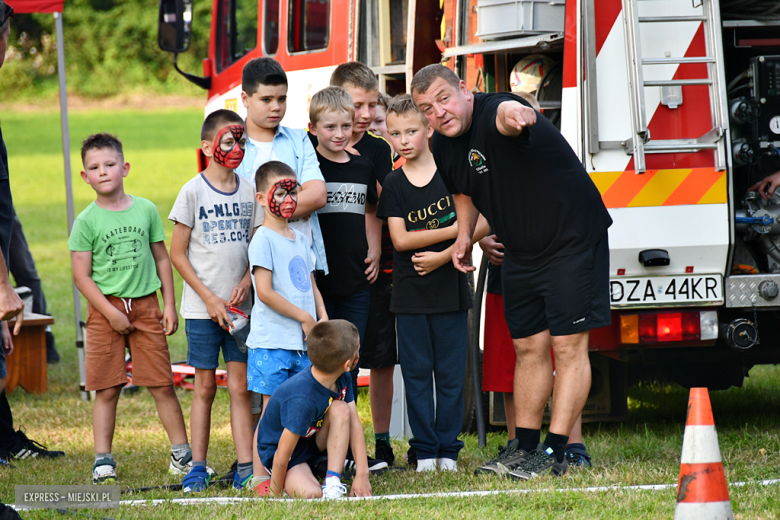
{"x": 430, "y": 297}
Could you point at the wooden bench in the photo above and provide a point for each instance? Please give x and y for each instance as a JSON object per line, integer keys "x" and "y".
{"x": 27, "y": 363}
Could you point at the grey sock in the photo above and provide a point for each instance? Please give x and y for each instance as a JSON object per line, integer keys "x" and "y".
{"x": 198, "y": 463}
{"x": 179, "y": 451}
{"x": 244, "y": 470}
{"x": 99, "y": 456}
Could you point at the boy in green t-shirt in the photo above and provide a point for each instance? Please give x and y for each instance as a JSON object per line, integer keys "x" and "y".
{"x": 119, "y": 262}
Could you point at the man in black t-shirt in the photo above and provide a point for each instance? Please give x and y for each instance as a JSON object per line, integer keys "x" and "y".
{"x": 13, "y": 444}
{"x": 499, "y": 159}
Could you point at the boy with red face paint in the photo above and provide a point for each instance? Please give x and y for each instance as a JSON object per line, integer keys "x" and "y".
{"x": 287, "y": 302}
{"x": 215, "y": 216}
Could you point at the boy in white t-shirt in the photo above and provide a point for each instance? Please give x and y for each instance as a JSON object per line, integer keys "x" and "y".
{"x": 215, "y": 218}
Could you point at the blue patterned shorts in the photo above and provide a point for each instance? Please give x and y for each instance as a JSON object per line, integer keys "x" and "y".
{"x": 268, "y": 368}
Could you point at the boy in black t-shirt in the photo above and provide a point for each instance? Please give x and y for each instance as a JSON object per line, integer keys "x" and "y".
{"x": 350, "y": 229}
{"x": 378, "y": 348}
{"x": 430, "y": 297}
{"x": 310, "y": 413}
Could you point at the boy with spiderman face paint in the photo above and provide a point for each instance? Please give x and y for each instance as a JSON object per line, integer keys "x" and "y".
{"x": 229, "y": 145}
{"x": 215, "y": 216}
{"x": 287, "y": 301}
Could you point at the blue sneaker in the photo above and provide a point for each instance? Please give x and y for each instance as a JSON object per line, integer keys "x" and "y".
{"x": 197, "y": 480}
{"x": 242, "y": 484}
{"x": 577, "y": 456}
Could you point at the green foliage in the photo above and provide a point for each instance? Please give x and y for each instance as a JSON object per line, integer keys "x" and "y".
{"x": 110, "y": 48}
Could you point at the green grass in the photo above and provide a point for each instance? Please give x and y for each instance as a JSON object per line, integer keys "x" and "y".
{"x": 160, "y": 146}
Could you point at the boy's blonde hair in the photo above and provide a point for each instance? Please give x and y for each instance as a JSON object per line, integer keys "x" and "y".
{"x": 330, "y": 99}
{"x": 531, "y": 98}
{"x": 383, "y": 100}
{"x": 403, "y": 106}
{"x": 354, "y": 74}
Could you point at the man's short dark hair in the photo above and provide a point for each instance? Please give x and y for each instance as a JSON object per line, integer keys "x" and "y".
{"x": 272, "y": 170}
{"x": 262, "y": 71}
{"x": 217, "y": 120}
{"x": 331, "y": 343}
{"x": 430, "y": 73}
{"x": 101, "y": 141}
{"x": 354, "y": 74}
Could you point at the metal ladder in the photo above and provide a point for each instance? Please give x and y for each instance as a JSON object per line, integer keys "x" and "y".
{"x": 640, "y": 142}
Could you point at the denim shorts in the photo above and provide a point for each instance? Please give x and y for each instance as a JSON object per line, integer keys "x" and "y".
{"x": 205, "y": 338}
{"x": 268, "y": 368}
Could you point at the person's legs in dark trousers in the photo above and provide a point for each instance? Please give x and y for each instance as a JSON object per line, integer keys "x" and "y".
{"x": 22, "y": 267}
{"x": 354, "y": 309}
{"x": 449, "y": 332}
{"x": 7, "y": 432}
{"x": 416, "y": 353}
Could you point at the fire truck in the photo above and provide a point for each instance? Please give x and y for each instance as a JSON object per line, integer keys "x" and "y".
{"x": 673, "y": 107}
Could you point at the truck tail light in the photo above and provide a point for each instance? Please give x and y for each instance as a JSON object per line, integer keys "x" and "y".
{"x": 664, "y": 327}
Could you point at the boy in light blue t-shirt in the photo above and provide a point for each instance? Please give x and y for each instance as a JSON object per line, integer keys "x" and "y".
{"x": 287, "y": 302}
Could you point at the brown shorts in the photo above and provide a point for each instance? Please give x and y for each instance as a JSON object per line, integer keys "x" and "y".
{"x": 105, "y": 347}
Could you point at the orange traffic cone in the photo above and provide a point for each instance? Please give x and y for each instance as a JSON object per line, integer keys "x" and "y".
{"x": 702, "y": 492}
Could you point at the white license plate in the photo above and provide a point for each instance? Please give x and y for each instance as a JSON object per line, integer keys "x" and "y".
{"x": 649, "y": 291}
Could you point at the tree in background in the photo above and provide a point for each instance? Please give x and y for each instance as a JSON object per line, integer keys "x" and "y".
{"x": 110, "y": 48}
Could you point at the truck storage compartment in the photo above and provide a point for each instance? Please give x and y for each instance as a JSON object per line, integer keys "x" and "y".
{"x": 508, "y": 18}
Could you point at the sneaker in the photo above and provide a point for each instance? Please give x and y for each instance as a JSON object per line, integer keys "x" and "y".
{"x": 384, "y": 451}
{"x": 375, "y": 466}
{"x": 52, "y": 356}
{"x": 424, "y": 465}
{"x": 25, "y": 448}
{"x": 411, "y": 457}
{"x": 182, "y": 466}
{"x": 242, "y": 484}
{"x": 446, "y": 464}
{"x": 104, "y": 471}
{"x": 509, "y": 457}
{"x": 333, "y": 489}
{"x": 539, "y": 462}
{"x": 197, "y": 480}
{"x": 578, "y": 457}
{"x": 5, "y": 464}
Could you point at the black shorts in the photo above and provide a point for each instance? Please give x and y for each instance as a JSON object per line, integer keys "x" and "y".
{"x": 305, "y": 452}
{"x": 567, "y": 294}
{"x": 380, "y": 349}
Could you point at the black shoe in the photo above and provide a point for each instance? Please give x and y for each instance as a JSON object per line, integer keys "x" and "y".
{"x": 384, "y": 452}
{"x": 25, "y": 448}
{"x": 5, "y": 464}
{"x": 508, "y": 459}
{"x": 578, "y": 457}
{"x": 52, "y": 356}
{"x": 8, "y": 513}
{"x": 320, "y": 467}
{"x": 540, "y": 462}
{"x": 411, "y": 457}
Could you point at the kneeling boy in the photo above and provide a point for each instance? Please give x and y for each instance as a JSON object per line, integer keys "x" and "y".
{"x": 312, "y": 412}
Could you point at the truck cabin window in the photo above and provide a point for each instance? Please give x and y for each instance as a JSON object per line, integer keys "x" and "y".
{"x": 271, "y": 27}
{"x": 309, "y": 25}
{"x": 236, "y": 30}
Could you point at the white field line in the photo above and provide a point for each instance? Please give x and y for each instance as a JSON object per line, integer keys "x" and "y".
{"x": 453, "y": 494}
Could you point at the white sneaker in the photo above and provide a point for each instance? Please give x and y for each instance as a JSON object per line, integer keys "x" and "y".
{"x": 426, "y": 465}
{"x": 180, "y": 468}
{"x": 104, "y": 471}
{"x": 333, "y": 488}
{"x": 446, "y": 464}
